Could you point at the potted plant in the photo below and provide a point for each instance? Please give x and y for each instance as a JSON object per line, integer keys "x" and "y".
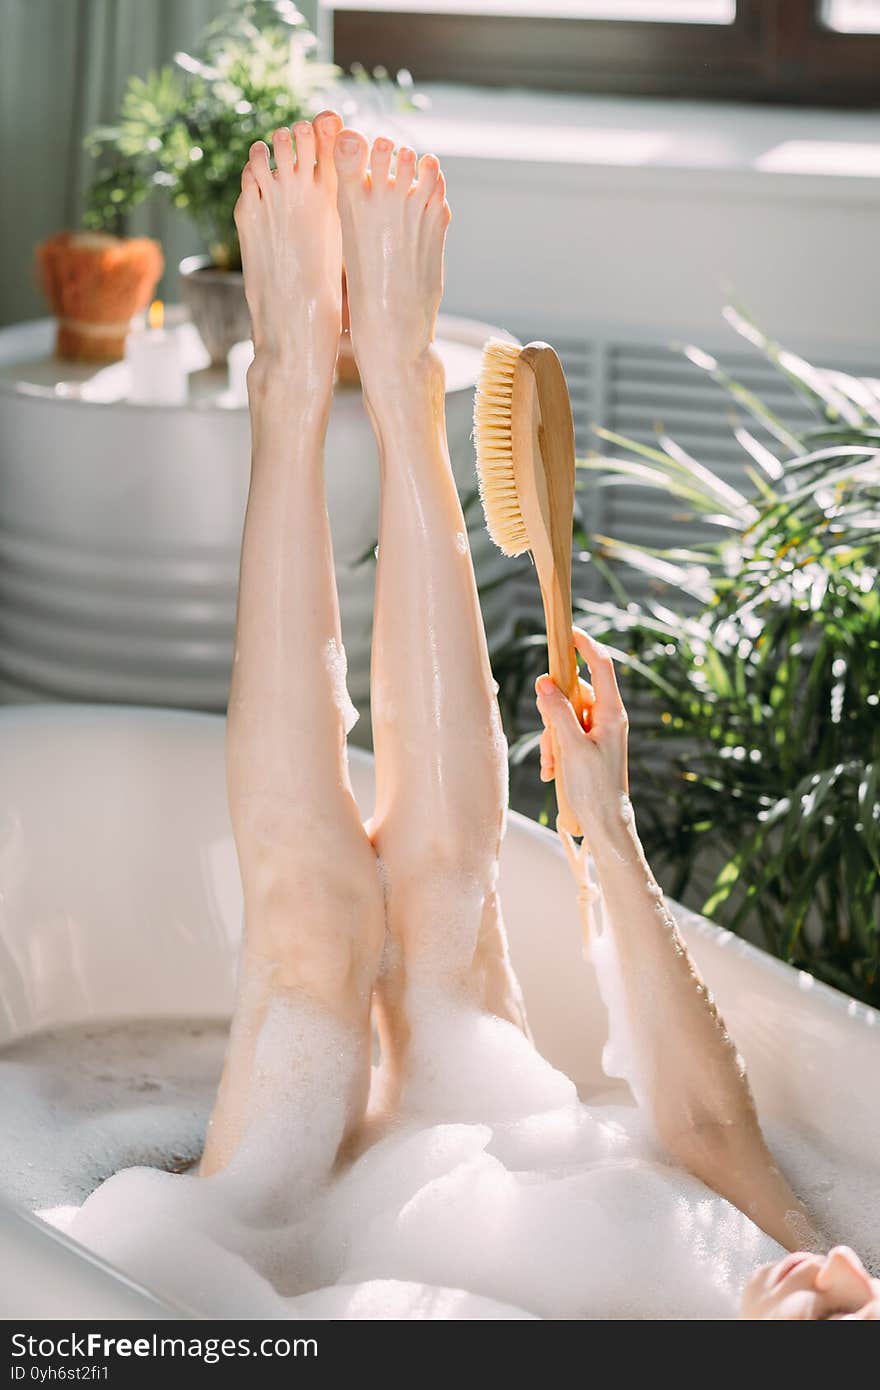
{"x": 184, "y": 133}
{"x": 95, "y": 284}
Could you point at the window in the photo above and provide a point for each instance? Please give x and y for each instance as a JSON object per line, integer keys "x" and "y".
{"x": 668, "y": 11}
{"x": 852, "y": 16}
{"x": 815, "y": 52}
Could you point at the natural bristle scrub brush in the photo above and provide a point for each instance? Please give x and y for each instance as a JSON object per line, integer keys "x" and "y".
{"x": 524, "y": 436}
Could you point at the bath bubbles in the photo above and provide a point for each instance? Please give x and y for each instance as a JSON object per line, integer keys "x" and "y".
{"x": 298, "y": 1095}
{"x": 398, "y": 1300}
{"x": 494, "y": 1194}
{"x": 469, "y": 1065}
{"x": 82, "y": 1102}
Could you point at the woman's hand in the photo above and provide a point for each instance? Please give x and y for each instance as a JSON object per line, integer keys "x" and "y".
{"x": 813, "y": 1288}
{"x": 592, "y": 751}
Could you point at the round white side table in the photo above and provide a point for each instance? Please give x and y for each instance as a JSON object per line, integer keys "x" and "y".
{"x": 120, "y": 525}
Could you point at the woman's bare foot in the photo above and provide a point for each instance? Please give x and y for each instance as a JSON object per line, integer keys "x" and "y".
{"x": 291, "y": 249}
{"x": 393, "y": 229}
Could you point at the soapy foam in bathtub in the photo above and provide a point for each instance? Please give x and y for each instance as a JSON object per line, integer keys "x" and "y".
{"x": 81, "y": 1103}
{"x": 497, "y": 1195}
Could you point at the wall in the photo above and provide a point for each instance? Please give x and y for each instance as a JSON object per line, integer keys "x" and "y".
{"x": 638, "y": 218}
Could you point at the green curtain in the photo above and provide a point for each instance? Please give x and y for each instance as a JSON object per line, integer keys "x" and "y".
{"x": 63, "y": 67}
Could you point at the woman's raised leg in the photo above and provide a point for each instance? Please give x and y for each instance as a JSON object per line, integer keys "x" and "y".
{"x": 440, "y": 751}
{"x": 314, "y": 917}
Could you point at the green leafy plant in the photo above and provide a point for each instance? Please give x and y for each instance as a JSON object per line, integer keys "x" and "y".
{"x": 753, "y": 671}
{"x": 184, "y": 132}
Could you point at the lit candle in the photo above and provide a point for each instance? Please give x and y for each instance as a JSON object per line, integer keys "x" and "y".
{"x": 158, "y": 376}
{"x": 239, "y": 358}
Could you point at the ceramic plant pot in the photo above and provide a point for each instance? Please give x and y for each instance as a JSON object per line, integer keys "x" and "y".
{"x": 216, "y": 303}
{"x": 95, "y": 284}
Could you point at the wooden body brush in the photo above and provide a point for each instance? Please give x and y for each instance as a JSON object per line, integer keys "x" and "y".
{"x": 524, "y": 435}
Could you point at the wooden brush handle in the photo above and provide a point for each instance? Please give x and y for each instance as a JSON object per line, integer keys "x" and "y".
{"x": 542, "y": 432}
{"x": 563, "y": 671}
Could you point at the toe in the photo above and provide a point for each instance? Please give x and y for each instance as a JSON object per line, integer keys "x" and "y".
{"x": 249, "y": 200}
{"x": 351, "y": 157}
{"x": 305, "y": 147}
{"x": 438, "y": 193}
{"x": 327, "y": 125}
{"x": 437, "y": 215}
{"x": 282, "y": 148}
{"x": 259, "y": 163}
{"x": 380, "y": 161}
{"x": 429, "y": 172}
{"x": 406, "y": 168}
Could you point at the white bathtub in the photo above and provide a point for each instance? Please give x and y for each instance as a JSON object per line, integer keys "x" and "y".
{"x": 120, "y": 898}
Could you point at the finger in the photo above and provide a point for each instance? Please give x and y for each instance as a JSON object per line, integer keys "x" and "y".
{"x": 817, "y": 1306}
{"x": 588, "y": 700}
{"x": 802, "y": 1276}
{"x": 844, "y": 1276}
{"x": 602, "y": 673}
{"x": 781, "y": 1269}
{"x": 540, "y": 711}
{"x": 548, "y": 769}
{"x": 842, "y": 1258}
{"x": 557, "y": 711}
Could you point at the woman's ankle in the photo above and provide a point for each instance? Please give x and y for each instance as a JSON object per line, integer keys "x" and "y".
{"x": 404, "y": 393}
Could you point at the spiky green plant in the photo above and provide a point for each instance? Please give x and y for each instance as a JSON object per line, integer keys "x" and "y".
{"x": 754, "y": 673}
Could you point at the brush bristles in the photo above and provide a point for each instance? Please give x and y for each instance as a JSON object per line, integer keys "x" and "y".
{"x": 493, "y": 436}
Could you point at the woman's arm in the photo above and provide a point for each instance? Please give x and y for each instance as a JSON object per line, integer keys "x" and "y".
{"x": 666, "y": 1034}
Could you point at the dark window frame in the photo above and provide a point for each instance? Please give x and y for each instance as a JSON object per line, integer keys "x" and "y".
{"x": 774, "y": 51}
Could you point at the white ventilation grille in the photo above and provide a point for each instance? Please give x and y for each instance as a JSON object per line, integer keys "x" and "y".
{"x": 651, "y": 390}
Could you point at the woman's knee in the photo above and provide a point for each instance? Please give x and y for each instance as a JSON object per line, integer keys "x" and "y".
{"x": 439, "y": 837}
{"x": 309, "y": 881}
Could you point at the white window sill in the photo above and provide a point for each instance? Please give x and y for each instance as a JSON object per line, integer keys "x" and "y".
{"x": 777, "y": 151}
